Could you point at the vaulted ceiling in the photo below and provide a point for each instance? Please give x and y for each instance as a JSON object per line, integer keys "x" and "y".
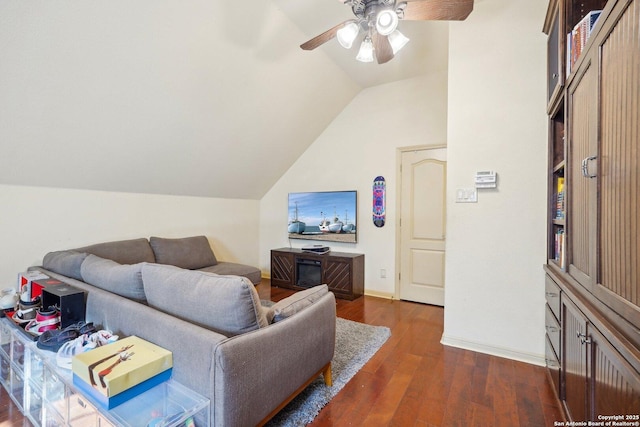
{"x": 199, "y": 97}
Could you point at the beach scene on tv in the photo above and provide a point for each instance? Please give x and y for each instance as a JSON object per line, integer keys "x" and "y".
{"x": 326, "y": 215}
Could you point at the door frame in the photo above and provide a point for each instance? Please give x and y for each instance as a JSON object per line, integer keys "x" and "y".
{"x": 399, "y": 151}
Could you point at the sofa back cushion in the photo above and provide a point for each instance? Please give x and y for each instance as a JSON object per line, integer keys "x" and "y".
{"x": 191, "y": 253}
{"x": 122, "y": 251}
{"x": 121, "y": 279}
{"x": 229, "y": 305}
{"x": 66, "y": 263}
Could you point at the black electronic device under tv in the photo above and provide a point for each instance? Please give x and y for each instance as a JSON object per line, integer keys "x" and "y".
{"x": 323, "y": 215}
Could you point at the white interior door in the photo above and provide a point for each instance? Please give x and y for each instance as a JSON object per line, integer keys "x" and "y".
{"x": 422, "y": 225}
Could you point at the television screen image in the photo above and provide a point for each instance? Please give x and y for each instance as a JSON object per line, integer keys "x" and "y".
{"x": 323, "y": 215}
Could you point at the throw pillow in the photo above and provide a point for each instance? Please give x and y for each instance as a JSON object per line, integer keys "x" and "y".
{"x": 121, "y": 279}
{"x": 291, "y": 305}
{"x": 229, "y": 305}
{"x": 191, "y": 253}
{"x": 66, "y": 263}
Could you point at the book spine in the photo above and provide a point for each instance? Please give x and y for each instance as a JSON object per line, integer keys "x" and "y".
{"x": 569, "y": 50}
{"x": 559, "y": 252}
{"x": 577, "y": 38}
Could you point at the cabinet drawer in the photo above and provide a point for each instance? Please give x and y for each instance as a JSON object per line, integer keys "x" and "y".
{"x": 552, "y": 327}
{"x": 552, "y": 294}
{"x": 553, "y": 365}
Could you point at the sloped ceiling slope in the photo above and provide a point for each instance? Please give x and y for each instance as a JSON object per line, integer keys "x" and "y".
{"x": 199, "y": 97}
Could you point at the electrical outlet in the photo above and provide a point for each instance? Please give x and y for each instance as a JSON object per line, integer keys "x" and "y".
{"x": 383, "y": 273}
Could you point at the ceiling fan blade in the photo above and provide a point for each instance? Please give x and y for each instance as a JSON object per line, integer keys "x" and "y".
{"x": 382, "y": 48}
{"x": 324, "y": 37}
{"x": 444, "y": 10}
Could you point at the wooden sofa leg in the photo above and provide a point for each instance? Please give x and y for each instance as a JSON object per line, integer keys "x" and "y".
{"x": 326, "y": 373}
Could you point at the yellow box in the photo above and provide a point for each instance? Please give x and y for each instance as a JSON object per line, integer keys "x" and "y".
{"x": 116, "y": 367}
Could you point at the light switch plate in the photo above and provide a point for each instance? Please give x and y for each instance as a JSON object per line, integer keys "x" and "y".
{"x": 466, "y": 195}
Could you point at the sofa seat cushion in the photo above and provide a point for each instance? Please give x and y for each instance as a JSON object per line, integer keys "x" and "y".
{"x": 233, "y": 269}
{"x": 67, "y": 263}
{"x": 121, "y": 279}
{"x": 229, "y": 305}
{"x": 295, "y": 303}
{"x": 191, "y": 253}
{"x": 122, "y": 251}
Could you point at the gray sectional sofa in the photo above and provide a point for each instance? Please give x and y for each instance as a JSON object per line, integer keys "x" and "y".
{"x": 249, "y": 360}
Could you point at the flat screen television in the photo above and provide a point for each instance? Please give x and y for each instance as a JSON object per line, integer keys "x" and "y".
{"x": 323, "y": 215}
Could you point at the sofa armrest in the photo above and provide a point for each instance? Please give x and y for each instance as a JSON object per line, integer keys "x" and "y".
{"x": 255, "y": 372}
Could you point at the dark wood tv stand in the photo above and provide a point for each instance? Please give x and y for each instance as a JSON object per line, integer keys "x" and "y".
{"x": 343, "y": 272}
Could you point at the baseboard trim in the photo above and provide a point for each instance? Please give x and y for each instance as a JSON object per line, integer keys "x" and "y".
{"x": 534, "y": 359}
{"x": 377, "y": 294}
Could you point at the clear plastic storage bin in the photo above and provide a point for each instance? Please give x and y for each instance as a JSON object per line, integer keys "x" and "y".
{"x": 45, "y": 393}
{"x": 33, "y": 404}
{"x": 169, "y": 404}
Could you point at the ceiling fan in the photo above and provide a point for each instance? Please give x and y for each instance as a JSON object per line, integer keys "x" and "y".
{"x": 378, "y": 21}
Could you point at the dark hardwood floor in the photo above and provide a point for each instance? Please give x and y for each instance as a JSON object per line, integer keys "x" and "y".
{"x": 413, "y": 380}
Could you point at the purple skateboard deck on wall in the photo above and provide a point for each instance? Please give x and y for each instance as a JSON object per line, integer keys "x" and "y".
{"x": 379, "y": 196}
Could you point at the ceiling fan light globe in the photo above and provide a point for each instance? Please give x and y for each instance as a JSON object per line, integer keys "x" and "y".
{"x": 397, "y": 40}
{"x": 365, "y": 54}
{"x": 386, "y": 22}
{"x": 347, "y": 34}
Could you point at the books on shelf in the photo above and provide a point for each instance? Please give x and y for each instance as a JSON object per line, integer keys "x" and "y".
{"x": 558, "y": 252}
{"x": 559, "y": 248}
{"x": 560, "y": 201}
{"x": 577, "y": 38}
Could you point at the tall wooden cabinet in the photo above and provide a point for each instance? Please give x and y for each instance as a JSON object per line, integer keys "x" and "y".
{"x": 593, "y": 270}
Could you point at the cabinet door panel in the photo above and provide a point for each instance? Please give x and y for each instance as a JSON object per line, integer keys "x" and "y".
{"x": 582, "y": 192}
{"x": 574, "y": 361}
{"x": 619, "y": 176}
{"x": 282, "y": 266}
{"x": 337, "y": 274}
{"x": 616, "y": 385}
{"x": 554, "y": 60}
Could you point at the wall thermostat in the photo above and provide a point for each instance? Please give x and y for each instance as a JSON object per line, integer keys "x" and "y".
{"x": 486, "y": 179}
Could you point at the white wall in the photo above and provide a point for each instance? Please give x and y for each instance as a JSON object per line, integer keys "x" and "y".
{"x": 494, "y": 299}
{"x": 35, "y": 220}
{"x": 202, "y": 89}
{"x": 360, "y": 144}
